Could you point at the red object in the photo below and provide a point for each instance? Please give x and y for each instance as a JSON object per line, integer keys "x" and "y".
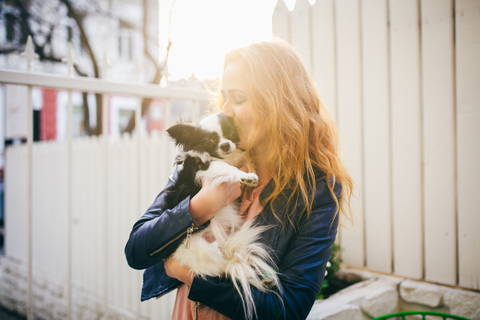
{"x": 48, "y": 115}
{"x": 156, "y": 115}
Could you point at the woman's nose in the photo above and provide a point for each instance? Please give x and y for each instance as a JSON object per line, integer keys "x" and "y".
{"x": 227, "y": 110}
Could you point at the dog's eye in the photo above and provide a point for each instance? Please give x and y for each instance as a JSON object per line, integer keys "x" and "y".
{"x": 232, "y": 133}
{"x": 209, "y": 142}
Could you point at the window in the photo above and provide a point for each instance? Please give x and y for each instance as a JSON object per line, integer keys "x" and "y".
{"x": 10, "y": 27}
{"x": 70, "y": 34}
{"x": 125, "y": 45}
{"x": 126, "y": 41}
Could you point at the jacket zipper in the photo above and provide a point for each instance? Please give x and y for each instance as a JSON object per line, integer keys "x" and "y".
{"x": 189, "y": 235}
{"x": 176, "y": 238}
{"x": 196, "y": 303}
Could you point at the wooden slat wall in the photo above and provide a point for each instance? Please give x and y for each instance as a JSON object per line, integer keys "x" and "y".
{"x": 349, "y": 112}
{"x": 467, "y": 60}
{"x": 300, "y": 32}
{"x": 402, "y": 79}
{"x": 324, "y": 56}
{"x": 439, "y": 140}
{"x": 281, "y": 22}
{"x": 406, "y": 129}
{"x": 376, "y": 117}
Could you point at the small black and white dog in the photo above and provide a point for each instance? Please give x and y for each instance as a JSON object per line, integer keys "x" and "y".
{"x": 228, "y": 247}
{"x": 208, "y": 150}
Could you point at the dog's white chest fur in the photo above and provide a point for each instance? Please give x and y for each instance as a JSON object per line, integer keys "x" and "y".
{"x": 204, "y": 256}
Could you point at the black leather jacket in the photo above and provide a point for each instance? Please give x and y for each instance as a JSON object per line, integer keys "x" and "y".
{"x": 301, "y": 254}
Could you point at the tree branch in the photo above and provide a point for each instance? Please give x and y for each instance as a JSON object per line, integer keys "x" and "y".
{"x": 83, "y": 36}
{"x": 158, "y": 70}
{"x": 10, "y": 50}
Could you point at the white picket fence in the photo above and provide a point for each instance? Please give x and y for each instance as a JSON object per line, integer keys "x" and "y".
{"x": 402, "y": 78}
{"x": 89, "y": 255}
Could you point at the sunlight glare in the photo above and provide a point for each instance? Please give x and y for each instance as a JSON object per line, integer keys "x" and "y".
{"x": 203, "y": 31}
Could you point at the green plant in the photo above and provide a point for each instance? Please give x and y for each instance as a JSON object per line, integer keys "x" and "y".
{"x": 333, "y": 265}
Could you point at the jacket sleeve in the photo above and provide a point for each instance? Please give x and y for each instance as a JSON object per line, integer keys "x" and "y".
{"x": 158, "y": 232}
{"x": 301, "y": 273}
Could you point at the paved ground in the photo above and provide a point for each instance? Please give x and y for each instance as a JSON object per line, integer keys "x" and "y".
{"x": 8, "y": 315}
{"x": 4, "y": 313}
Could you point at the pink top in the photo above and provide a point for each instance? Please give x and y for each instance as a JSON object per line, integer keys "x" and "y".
{"x": 184, "y": 309}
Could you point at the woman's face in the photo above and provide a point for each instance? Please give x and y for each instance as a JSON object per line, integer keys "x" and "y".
{"x": 238, "y": 100}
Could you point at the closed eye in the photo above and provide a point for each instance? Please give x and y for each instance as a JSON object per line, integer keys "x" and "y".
{"x": 240, "y": 99}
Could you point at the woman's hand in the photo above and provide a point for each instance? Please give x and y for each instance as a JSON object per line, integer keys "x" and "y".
{"x": 175, "y": 270}
{"x": 210, "y": 199}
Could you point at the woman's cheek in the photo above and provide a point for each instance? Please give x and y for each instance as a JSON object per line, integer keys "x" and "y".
{"x": 243, "y": 141}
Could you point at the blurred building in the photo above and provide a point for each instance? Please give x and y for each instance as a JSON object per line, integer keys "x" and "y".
{"x": 115, "y": 27}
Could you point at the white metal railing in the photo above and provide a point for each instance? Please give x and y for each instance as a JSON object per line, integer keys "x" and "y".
{"x": 105, "y": 88}
{"x": 99, "y": 86}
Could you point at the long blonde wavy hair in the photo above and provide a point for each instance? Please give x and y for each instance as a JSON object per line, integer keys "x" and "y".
{"x": 287, "y": 111}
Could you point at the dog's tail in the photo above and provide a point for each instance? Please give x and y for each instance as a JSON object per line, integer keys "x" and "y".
{"x": 249, "y": 262}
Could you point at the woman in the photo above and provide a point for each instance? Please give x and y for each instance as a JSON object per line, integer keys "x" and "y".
{"x": 291, "y": 141}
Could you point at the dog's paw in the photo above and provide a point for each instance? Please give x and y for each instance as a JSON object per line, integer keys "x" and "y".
{"x": 250, "y": 179}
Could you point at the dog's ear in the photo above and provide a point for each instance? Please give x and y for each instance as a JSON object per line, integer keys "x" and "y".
{"x": 181, "y": 132}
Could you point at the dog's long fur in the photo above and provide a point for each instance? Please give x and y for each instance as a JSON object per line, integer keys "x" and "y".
{"x": 236, "y": 252}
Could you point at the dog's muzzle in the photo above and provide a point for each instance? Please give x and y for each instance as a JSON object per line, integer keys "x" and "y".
{"x": 227, "y": 147}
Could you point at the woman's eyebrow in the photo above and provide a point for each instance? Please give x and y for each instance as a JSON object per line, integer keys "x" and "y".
{"x": 236, "y": 90}
{"x": 232, "y": 91}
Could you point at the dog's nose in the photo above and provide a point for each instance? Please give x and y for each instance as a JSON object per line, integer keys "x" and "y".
{"x": 225, "y": 146}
